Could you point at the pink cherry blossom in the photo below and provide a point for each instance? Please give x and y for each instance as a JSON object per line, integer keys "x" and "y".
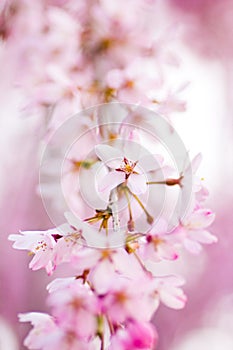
{"x": 169, "y": 291}
{"x": 49, "y": 248}
{"x": 121, "y": 300}
{"x": 47, "y": 335}
{"x": 124, "y": 169}
{"x": 72, "y": 303}
{"x": 40, "y": 244}
{"x": 43, "y": 325}
{"x": 137, "y": 335}
{"x": 192, "y": 231}
{"x": 159, "y": 244}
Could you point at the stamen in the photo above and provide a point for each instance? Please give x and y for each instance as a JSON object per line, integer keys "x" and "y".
{"x": 150, "y": 218}
{"x": 168, "y": 182}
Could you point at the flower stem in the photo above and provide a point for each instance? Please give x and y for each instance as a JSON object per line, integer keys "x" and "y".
{"x": 113, "y": 199}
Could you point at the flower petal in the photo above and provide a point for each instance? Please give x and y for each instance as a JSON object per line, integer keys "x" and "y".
{"x": 192, "y": 246}
{"x": 173, "y": 297}
{"x": 150, "y": 162}
{"x": 200, "y": 218}
{"x": 137, "y": 183}
{"x": 196, "y": 162}
{"x": 202, "y": 236}
{"x": 111, "y": 156}
{"x": 111, "y": 180}
{"x": 167, "y": 251}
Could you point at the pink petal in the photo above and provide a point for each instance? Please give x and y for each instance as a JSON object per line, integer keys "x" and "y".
{"x": 86, "y": 259}
{"x": 103, "y": 276}
{"x": 202, "y": 236}
{"x": 192, "y": 246}
{"x": 166, "y": 251}
{"x": 85, "y": 329}
{"x": 137, "y": 183}
{"x": 173, "y": 297}
{"x": 201, "y": 218}
{"x": 111, "y": 156}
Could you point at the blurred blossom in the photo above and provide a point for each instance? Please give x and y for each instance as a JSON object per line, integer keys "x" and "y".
{"x": 198, "y": 339}
{"x": 8, "y": 339}
{"x": 208, "y": 26}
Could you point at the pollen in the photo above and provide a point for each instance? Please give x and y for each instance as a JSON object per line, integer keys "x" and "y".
{"x": 106, "y": 254}
{"x": 42, "y": 245}
{"x": 121, "y": 297}
{"x": 155, "y": 240}
{"x": 127, "y": 167}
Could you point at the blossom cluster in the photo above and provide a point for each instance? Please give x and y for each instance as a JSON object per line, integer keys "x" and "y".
{"x": 105, "y": 168}
{"x": 114, "y": 291}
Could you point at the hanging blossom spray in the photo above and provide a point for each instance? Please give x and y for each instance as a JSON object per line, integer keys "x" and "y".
{"x": 118, "y": 171}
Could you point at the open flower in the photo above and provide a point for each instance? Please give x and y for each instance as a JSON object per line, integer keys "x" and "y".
{"x": 49, "y": 248}
{"x": 44, "y": 325}
{"x": 169, "y": 292}
{"x": 130, "y": 170}
{"x": 40, "y": 244}
{"x": 192, "y": 231}
{"x": 159, "y": 244}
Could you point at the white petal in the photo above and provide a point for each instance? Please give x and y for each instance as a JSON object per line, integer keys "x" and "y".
{"x": 111, "y": 156}
{"x": 132, "y": 150}
{"x": 34, "y": 317}
{"x": 196, "y": 162}
{"x": 88, "y": 232}
{"x": 150, "y": 162}
{"x": 159, "y": 227}
{"x": 111, "y": 180}
{"x": 137, "y": 183}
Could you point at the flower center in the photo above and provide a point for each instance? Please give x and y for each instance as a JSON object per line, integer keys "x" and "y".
{"x": 42, "y": 245}
{"x": 127, "y": 167}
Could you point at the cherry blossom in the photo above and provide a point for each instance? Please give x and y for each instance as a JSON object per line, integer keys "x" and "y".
{"x": 159, "y": 245}
{"x": 47, "y": 335}
{"x": 40, "y": 245}
{"x": 43, "y": 325}
{"x": 125, "y": 170}
{"x": 192, "y": 231}
{"x": 136, "y": 336}
{"x": 71, "y": 305}
{"x": 169, "y": 291}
